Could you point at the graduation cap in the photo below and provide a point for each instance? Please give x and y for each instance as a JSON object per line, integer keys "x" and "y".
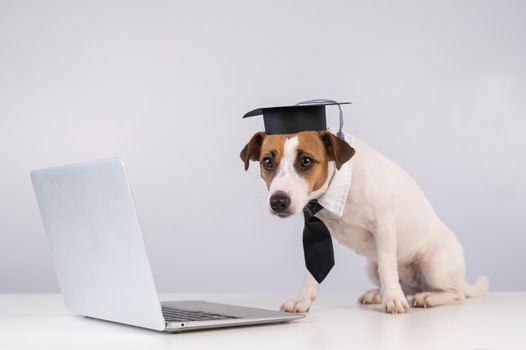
{"x": 307, "y": 115}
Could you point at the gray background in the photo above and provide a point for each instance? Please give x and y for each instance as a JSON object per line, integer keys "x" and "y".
{"x": 439, "y": 87}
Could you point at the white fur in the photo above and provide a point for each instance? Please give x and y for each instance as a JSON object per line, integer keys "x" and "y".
{"x": 387, "y": 219}
{"x": 287, "y": 179}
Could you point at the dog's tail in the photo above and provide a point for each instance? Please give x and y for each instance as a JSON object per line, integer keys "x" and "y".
{"x": 479, "y": 289}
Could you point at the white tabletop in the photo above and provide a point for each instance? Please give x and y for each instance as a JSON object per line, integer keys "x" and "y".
{"x": 40, "y": 321}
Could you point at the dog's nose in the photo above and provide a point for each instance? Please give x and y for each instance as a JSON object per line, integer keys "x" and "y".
{"x": 279, "y": 202}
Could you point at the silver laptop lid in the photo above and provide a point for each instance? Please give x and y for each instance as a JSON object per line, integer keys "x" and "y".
{"x": 96, "y": 242}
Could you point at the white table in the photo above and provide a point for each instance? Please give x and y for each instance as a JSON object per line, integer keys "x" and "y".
{"x": 40, "y": 321}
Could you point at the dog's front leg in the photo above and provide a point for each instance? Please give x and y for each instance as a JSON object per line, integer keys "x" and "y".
{"x": 393, "y": 298}
{"x": 305, "y": 298}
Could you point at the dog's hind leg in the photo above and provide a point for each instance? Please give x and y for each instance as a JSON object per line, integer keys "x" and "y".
{"x": 442, "y": 272}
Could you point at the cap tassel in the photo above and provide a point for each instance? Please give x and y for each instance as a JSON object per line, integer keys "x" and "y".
{"x": 339, "y": 134}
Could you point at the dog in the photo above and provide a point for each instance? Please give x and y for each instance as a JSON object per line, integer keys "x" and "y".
{"x": 370, "y": 205}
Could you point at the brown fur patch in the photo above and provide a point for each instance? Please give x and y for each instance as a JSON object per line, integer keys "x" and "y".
{"x": 338, "y": 150}
{"x": 272, "y": 147}
{"x": 311, "y": 145}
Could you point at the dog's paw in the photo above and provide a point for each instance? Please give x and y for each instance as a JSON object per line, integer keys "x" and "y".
{"x": 422, "y": 300}
{"x": 395, "y": 302}
{"x": 373, "y": 296}
{"x": 436, "y": 298}
{"x": 301, "y": 303}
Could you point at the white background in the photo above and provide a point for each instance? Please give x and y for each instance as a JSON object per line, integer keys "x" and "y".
{"x": 439, "y": 87}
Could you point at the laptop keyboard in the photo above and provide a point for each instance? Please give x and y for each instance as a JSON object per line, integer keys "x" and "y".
{"x": 179, "y": 315}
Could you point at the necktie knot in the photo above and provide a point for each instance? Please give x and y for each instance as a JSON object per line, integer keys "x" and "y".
{"x": 311, "y": 209}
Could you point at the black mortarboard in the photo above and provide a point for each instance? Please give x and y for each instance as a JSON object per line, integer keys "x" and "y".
{"x": 309, "y": 115}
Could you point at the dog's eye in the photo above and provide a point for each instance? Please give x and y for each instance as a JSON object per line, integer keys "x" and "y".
{"x": 306, "y": 162}
{"x": 268, "y": 163}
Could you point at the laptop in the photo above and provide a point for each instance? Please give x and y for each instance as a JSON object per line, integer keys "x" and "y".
{"x": 101, "y": 261}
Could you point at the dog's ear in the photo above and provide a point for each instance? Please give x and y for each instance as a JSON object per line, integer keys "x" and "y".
{"x": 252, "y": 149}
{"x": 337, "y": 149}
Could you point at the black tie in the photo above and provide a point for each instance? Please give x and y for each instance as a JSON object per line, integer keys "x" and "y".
{"x": 317, "y": 243}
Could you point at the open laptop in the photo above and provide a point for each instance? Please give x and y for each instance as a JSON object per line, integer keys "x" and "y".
{"x": 100, "y": 258}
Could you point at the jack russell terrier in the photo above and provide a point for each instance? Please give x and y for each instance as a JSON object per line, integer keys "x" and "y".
{"x": 370, "y": 205}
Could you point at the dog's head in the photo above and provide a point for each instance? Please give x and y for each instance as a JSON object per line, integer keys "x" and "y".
{"x": 296, "y": 167}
